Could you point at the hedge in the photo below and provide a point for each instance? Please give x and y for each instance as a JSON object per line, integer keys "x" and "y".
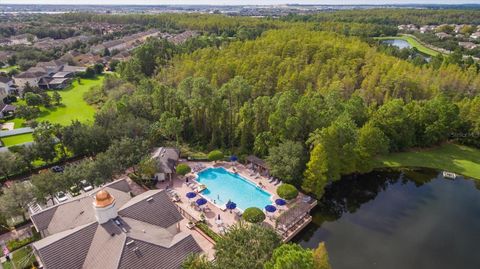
{"x": 209, "y": 232}
{"x": 253, "y": 215}
{"x": 15, "y": 244}
{"x": 287, "y": 191}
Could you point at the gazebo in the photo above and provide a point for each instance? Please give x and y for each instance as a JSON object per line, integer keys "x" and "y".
{"x": 258, "y": 164}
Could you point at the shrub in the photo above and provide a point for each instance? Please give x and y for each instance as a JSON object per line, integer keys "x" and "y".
{"x": 253, "y": 215}
{"x": 204, "y": 228}
{"x": 215, "y": 155}
{"x": 287, "y": 191}
{"x": 15, "y": 244}
{"x": 183, "y": 169}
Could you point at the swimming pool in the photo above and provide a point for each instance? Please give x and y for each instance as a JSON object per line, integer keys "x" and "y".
{"x": 223, "y": 186}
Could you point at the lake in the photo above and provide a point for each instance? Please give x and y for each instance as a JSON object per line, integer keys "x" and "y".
{"x": 395, "y": 220}
{"x": 399, "y": 43}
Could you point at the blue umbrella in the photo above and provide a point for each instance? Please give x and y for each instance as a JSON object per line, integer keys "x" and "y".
{"x": 270, "y": 208}
{"x": 233, "y": 158}
{"x": 231, "y": 205}
{"x": 280, "y": 202}
{"x": 201, "y": 201}
{"x": 191, "y": 195}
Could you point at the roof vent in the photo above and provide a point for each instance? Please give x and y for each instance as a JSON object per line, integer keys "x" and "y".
{"x": 112, "y": 234}
{"x": 117, "y": 222}
{"x": 149, "y": 199}
{"x": 129, "y": 243}
{"x": 124, "y": 230}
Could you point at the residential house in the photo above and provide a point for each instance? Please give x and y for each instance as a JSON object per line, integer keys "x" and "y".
{"x": 443, "y": 35}
{"x": 468, "y": 45}
{"x": 475, "y": 36}
{"x": 52, "y": 66}
{"x": 166, "y": 159}
{"x": 34, "y": 79}
{"x": 46, "y": 44}
{"x": 122, "y": 56}
{"x": 7, "y": 86}
{"x": 4, "y": 88}
{"x": 23, "y": 39}
{"x": 4, "y": 56}
{"x": 5, "y": 42}
{"x": 110, "y": 229}
{"x": 6, "y": 110}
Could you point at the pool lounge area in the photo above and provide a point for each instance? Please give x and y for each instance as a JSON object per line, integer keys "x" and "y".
{"x": 219, "y": 183}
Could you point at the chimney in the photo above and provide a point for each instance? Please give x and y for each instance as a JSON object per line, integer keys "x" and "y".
{"x": 104, "y": 206}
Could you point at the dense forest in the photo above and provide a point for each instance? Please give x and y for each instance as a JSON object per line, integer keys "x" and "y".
{"x": 315, "y": 103}
{"x": 394, "y": 16}
{"x": 310, "y": 94}
{"x": 296, "y": 92}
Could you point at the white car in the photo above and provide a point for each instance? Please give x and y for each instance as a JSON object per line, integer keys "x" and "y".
{"x": 86, "y": 186}
{"x": 61, "y": 197}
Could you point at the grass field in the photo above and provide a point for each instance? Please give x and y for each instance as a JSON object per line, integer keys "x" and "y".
{"x": 22, "y": 258}
{"x": 16, "y": 139}
{"x": 413, "y": 42}
{"x": 449, "y": 157}
{"x": 73, "y": 108}
{"x": 7, "y": 69}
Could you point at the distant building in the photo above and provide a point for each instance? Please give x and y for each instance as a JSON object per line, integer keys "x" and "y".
{"x": 443, "y": 35}
{"x": 113, "y": 230}
{"x": 475, "y": 36}
{"x": 7, "y": 86}
{"x": 23, "y": 39}
{"x": 166, "y": 159}
{"x": 34, "y": 79}
{"x": 467, "y": 45}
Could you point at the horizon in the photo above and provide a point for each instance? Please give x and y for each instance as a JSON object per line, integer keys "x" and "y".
{"x": 241, "y": 3}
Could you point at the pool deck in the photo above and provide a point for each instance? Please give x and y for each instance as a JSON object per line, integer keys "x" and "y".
{"x": 212, "y": 211}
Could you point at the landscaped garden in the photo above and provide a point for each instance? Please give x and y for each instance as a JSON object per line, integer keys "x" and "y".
{"x": 72, "y": 107}
{"x": 22, "y": 258}
{"x": 449, "y": 157}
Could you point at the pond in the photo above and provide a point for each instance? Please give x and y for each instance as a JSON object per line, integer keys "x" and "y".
{"x": 399, "y": 43}
{"x": 398, "y": 220}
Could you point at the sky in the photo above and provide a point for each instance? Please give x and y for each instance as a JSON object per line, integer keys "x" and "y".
{"x": 237, "y": 2}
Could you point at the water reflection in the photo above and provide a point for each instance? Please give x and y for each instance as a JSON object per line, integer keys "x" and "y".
{"x": 413, "y": 219}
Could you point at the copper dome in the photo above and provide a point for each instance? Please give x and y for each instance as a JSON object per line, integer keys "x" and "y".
{"x": 103, "y": 199}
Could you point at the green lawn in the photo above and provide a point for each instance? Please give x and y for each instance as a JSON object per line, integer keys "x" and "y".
{"x": 449, "y": 157}
{"x": 16, "y": 139}
{"x": 22, "y": 258}
{"x": 73, "y": 106}
{"x": 7, "y": 69}
{"x": 413, "y": 42}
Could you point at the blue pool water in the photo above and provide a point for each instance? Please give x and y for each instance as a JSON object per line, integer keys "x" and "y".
{"x": 223, "y": 186}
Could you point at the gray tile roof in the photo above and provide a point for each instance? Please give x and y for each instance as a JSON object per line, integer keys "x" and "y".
{"x": 153, "y": 207}
{"x": 166, "y": 159}
{"x": 142, "y": 254}
{"x": 67, "y": 249}
{"x": 75, "y": 212}
{"x": 146, "y": 237}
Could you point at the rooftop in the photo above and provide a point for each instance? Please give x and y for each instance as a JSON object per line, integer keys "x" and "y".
{"x": 144, "y": 235}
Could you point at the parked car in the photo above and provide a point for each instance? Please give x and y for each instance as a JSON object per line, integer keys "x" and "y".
{"x": 86, "y": 186}
{"x": 74, "y": 191}
{"x": 57, "y": 169}
{"x": 61, "y": 196}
